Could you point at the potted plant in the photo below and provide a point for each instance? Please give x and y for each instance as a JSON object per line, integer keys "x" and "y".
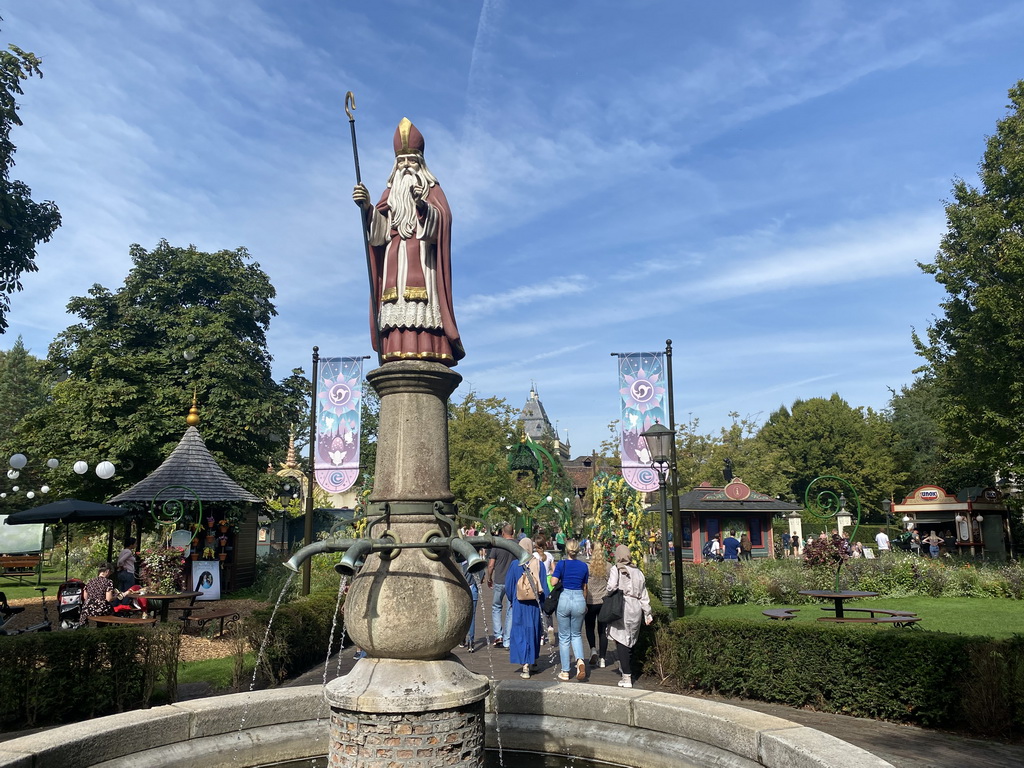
{"x": 208, "y": 553}
{"x": 222, "y": 525}
{"x": 222, "y": 555}
{"x": 163, "y": 569}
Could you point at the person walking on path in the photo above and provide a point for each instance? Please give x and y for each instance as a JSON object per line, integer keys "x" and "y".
{"x": 882, "y": 540}
{"x": 636, "y": 606}
{"x": 597, "y": 588}
{"x": 497, "y": 568}
{"x": 572, "y": 574}
{"x": 523, "y": 639}
{"x": 473, "y": 580}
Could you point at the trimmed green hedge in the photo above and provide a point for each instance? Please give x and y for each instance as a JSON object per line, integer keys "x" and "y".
{"x": 914, "y": 676}
{"x": 49, "y": 678}
{"x": 298, "y": 636}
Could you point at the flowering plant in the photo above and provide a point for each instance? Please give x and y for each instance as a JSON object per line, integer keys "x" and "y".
{"x": 222, "y": 521}
{"x": 163, "y": 568}
{"x": 208, "y": 553}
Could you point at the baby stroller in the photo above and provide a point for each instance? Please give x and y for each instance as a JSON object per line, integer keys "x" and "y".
{"x": 69, "y": 603}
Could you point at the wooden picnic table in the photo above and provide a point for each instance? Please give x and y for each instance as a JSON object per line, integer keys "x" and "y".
{"x": 839, "y": 596}
{"x": 104, "y": 621}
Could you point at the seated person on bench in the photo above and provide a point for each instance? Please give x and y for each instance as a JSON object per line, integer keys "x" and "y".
{"x": 98, "y": 597}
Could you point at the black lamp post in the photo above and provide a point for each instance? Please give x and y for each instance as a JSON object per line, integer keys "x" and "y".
{"x": 887, "y": 510}
{"x": 659, "y": 442}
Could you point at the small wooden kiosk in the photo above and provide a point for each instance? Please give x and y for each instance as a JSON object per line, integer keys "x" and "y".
{"x": 972, "y": 523}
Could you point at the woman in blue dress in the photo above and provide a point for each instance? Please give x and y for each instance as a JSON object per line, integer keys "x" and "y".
{"x": 524, "y": 643}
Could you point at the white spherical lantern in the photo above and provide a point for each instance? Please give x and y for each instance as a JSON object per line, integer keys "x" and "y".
{"x": 14, "y": 489}
{"x": 52, "y": 463}
{"x": 80, "y": 467}
{"x": 105, "y": 470}
{"x": 31, "y": 494}
{"x": 18, "y": 460}
{"x": 979, "y": 518}
{"x": 45, "y": 489}
{"x": 3, "y": 495}
{"x": 13, "y": 474}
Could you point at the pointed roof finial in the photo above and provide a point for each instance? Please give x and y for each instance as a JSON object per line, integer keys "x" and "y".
{"x": 193, "y": 413}
{"x": 290, "y": 461}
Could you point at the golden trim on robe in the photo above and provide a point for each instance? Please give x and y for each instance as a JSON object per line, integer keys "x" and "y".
{"x": 415, "y": 294}
{"x": 390, "y": 295}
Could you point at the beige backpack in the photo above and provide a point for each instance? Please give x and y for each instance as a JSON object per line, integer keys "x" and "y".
{"x": 528, "y": 586}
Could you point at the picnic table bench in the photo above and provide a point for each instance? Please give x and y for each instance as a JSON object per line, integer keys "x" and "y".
{"x": 896, "y": 621}
{"x": 20, "y": 566}
{"x": 102, "y": 621}
{"x": 200, "y": 620}
{"x": 781, "y": 613}
{"x": 873, "y": 611}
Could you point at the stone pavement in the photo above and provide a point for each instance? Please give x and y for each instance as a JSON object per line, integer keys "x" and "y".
{"x": 902, "y": 745}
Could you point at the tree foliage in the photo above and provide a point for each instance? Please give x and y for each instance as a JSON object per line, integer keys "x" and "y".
{"x": 975, "y": 350}
{"x": 23, "y": 385}
{"x": 24, "y": 223}
{"x": 479, "y": 429}
{"x": 185, "y": 322}
{"x": 827, "y": 437}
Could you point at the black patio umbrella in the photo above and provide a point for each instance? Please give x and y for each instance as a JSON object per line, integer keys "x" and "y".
{"x": 70, "y": 511}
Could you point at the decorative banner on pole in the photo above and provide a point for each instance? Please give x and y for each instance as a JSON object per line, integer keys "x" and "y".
{"x": 642, "y": 391}
{"x": 339, "y": 394}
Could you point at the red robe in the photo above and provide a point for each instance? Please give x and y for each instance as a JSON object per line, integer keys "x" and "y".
{"x": 442, "y": 344}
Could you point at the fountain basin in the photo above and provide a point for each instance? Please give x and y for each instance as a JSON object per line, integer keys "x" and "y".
{"x": 646, "y": 729}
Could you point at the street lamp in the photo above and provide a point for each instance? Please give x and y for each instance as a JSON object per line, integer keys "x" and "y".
{"x": 659, "y": 442}
{"x": 887, "y": 510}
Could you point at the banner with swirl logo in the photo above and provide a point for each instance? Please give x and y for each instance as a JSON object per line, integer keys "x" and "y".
{"x": 642, "y": 392}
{"x": 339, "y": 393}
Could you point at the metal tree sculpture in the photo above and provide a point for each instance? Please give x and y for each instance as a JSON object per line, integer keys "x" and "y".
{"x": 825, "y": 504}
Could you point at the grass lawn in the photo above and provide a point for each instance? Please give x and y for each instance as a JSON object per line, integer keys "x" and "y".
{"x": 957, "y": 615}
{"x": 217, "y": 672}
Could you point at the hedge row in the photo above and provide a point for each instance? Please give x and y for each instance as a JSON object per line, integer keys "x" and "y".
{"x": 298, "y": 635}
{"x": 926, "y": 678}
{"x": 766, "y": 582}
{"x": 49, "y": 678}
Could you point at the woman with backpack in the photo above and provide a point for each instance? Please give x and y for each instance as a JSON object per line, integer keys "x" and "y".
{"x": 523, "y": 585}
{"x": 636, "y": 607}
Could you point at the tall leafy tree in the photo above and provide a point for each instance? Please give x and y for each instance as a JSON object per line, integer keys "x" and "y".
{"x": 185, "y": 322}
{"x": 828, "y": 437}
{"x": 23, "y": 386}
{"x": 24, "y": 223}
{"x": 479, "y": 429}
{"x": 975, "y": 350}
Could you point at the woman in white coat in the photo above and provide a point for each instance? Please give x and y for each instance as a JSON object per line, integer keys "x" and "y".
{"x": 636, "y": 607}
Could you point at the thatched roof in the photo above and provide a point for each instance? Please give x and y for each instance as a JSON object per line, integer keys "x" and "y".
{"x": 190, "y": 465}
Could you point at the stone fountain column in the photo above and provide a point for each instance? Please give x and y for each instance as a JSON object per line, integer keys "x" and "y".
{"x": 411, "y": 702}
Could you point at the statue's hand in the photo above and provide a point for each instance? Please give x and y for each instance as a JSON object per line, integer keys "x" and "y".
{"x": 361, "y": 196}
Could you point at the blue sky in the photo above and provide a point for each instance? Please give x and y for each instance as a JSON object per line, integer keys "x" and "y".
{"x": 755, "y": 181}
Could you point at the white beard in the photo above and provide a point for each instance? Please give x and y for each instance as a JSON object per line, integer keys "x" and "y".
{"x": 402, "y": 204}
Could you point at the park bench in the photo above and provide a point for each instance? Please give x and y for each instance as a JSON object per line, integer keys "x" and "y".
{"x": 872, "y": 611}
{"x": 896, "y": 621}
{"x": 103, "y": 621}
{"x": 19, "y": 566}
{"x": 781, "y": 613}
{"x": 200, "y": 620}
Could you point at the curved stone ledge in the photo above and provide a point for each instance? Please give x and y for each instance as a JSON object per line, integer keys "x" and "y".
{"x": 631, "y": 727}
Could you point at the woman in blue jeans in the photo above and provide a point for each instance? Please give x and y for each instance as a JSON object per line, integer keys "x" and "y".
{"x": 572, "y": 574}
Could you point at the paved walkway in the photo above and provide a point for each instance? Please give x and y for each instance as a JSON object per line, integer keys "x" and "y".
{"x": 902, "y": 745}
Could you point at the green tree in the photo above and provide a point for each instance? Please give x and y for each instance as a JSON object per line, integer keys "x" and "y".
{"x": 479, "y": 430}
{"x": 23, "y": 386}
{"x": 919, "y": 446}
{"x": 24, "y": 223}
{"x": 184, "y": 322}
{"x": 975, "y": 349}
{"x": 828, "y": 437}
